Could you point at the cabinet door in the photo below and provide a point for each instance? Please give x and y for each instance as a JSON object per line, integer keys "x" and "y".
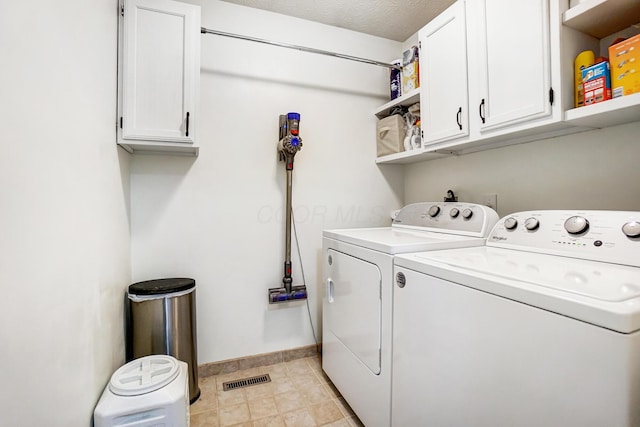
{"x": 511, "y": 56}
{"x": 443, "y": 73}
{"x": 160, "y": 71}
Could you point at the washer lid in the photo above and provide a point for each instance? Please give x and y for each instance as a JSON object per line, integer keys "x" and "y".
{"x": 599, "y": 293}
{"x": 591, "y": 279}
{"x": 144, "y": 375}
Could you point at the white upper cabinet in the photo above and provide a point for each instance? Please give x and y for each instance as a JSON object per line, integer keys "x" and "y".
{"x": 510, "y": 61}
{"x": 159, "y": 76}
{"x": 490, "y": 76}
{"x": 443, "y": 74}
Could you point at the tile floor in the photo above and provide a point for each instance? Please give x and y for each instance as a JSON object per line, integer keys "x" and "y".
{"x": 299, "y": 395}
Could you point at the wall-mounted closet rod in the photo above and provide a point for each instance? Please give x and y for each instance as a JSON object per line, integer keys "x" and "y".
{"x": 302, "y": 48}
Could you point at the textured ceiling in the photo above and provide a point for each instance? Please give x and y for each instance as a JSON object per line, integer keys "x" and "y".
{"x": 391, "y": 19}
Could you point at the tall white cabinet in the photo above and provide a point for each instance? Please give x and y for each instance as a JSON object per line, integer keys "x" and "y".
{"x": 509, "y": 61}
{"x": 159, "y": 73}
{"x": 444, "y": 105}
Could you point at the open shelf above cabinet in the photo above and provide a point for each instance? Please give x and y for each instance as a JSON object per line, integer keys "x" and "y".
{"x": 406, "y": 100}
{"x": 600, "y": 18}
{"x": 603, "y": 21}
{"x": 613, "y": 112}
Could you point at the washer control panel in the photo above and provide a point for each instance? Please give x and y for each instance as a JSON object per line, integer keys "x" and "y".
{"x": 451, "y": 217}
{"x": 608, "y": 236}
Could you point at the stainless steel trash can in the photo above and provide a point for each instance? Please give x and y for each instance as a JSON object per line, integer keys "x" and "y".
{"x": 162, "y": 320}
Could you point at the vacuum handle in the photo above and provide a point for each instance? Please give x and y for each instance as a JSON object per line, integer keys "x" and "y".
{"x": 330, "y": 291}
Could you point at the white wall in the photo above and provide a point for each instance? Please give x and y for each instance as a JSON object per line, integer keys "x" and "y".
{"x": 590, "y": 170}
{"x": 219, "y": 218}
{"x": 64, "y": 246}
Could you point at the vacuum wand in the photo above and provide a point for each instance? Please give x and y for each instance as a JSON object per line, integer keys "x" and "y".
{"x": 287, "y": 280}
{"x": 289, "y": 144}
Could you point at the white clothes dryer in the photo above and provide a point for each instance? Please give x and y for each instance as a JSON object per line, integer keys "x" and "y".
{"x": 150, "y": 391}
{"x": 540, "y": 327}
{"x": 357, "y": 303}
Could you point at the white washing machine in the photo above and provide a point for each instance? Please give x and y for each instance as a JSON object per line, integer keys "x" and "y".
{"x": 150, "y": 391}
{"x": 357, "y": 303}
{"x": 541, "y": 327}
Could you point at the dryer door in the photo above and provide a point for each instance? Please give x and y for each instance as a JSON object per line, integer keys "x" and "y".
{"x": 352, "y": 308}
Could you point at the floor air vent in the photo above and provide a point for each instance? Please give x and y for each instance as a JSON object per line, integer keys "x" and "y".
{"x": 246, "y": 382}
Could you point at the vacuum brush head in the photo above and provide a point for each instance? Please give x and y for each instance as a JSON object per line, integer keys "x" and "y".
{"x": 277, "y": 295}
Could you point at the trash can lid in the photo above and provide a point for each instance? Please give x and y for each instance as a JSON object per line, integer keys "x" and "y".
{"x": 144, "y": 375}
{"x": 162, "y": 286}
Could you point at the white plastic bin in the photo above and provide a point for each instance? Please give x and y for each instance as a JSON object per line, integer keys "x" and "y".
{"x": 146, "y": 392}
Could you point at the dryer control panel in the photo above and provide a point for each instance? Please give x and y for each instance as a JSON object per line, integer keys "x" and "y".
{"x": 608, "y": 236}
{"x": 467, "y": 219}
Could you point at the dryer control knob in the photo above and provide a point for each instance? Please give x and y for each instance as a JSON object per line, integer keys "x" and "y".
{"x": 510, "y": 223}
{"x": 453, "y": 213}
{"x": 631, "y": 229}
{"x": 433, "y": 211}
{"x": 467, "y": 213}
{"x": 576, "y": 225}
{"x": 531, "y": 224}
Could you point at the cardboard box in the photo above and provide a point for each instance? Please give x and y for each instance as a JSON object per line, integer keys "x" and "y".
{"x": 625, "y": 67}
{"x": 596, "y": 83}
{"x": 410, "y": 70}
{"x": 390, "y": 134}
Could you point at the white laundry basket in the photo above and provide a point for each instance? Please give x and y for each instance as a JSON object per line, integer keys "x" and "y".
{"x": 149, "y": 391}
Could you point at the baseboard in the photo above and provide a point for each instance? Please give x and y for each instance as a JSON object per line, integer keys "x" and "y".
{"x": 233, "y": 365}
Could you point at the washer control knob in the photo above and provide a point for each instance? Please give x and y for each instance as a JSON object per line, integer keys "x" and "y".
{"x": 576, "y": 225}
{"x": 510, "y": 223}
{"x": 467, "y": 213}
{"x": 531, "y": 224}
{"x": 631, "y": 229}
{"x": 454, "y": 212}
{"x": 433, "y": 211}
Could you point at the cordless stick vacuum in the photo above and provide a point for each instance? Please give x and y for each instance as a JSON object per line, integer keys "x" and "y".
{"x": 288, "y": 146}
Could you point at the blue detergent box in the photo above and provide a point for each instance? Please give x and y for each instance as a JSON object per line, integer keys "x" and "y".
{"x": 596, "y": 83}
